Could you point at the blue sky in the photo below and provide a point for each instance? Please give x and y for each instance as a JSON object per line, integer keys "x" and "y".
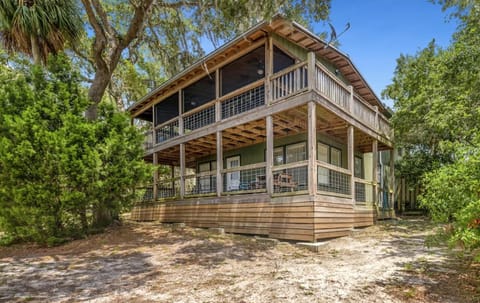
{"x": 381, "y": 30}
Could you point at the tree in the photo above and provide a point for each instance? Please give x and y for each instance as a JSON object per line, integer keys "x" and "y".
{"x": 57, "y": 170}
{"x": 168, "y": 33}
{"x": 38, "y": 27}
{"x": 437, "y": 118}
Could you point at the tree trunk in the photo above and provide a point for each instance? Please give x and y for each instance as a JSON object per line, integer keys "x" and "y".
{"x": 35, "y": 50}
{"x": 102, "y": 217}
{"x": 96, "y": 92}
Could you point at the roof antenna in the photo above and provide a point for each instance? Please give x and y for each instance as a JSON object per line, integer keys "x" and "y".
{"x": 333, "y": 35}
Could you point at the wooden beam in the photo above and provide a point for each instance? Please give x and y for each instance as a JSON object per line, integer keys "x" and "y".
{"x": 269, "y": 156}
{"x": 182, "y": 170}
{"x": 374, "y": 171}
{"x": 312, "y": 148}
{"x": 219, "y": 163}
{"x": 155, "y": 176}
{"x": 351, "y": 159}
{"x": 392, "y": 178}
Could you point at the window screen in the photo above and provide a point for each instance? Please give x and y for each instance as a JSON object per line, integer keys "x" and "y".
{"x": 281, "y": 60}
{"x": 243, "y": 71}
{"x": 166, "y": 109}
{"x": 199, "y": 93}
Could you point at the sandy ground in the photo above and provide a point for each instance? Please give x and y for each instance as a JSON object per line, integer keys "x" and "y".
{"x": 135, "y": 262}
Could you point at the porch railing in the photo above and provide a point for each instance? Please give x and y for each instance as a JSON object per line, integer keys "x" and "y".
{"x": 168, "y": 188}
{"x": 148, "y": 140}
{"x": 289, "y": 81}
{"x": 333, "y": 180}
{"x": 243, "y": 100}
{"x": 363, "y": 191}
{"x": 166, "y": 131}
{"x": 204, "y": 183}
{"x": 291, "y": 177}
{"x": 202, "y": 117}
{"x": 244, "y": 179}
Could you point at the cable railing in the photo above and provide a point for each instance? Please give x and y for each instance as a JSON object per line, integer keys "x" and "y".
{"x": 167, "y": 131}
{"x": 204, "y": 183}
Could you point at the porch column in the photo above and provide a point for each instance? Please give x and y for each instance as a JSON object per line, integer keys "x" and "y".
{"x": 181, "y": 129}
{"x": 269, "y": 156}
{"x": 392, "y": 179}
{"x": 375, "y": 172}
{"x": 312, "y": 148}
{"x": 219, "y": 163}
{"x": 155, "y": 177}
{"x": 311, "y": 70}
{"x": 182, "y": 170}
{"x": 351, "y": 160}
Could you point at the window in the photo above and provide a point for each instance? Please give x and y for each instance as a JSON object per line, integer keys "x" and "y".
{"x": 199, "y": 93}
{"x": 207, "y": 184}
{"x": 166, "y": 109}
{"x": 278, "y": 156}
{"x": 322, "y": 152}
{"x": 335, "y": 156}
{"x": 243, "y": 71}
{"x": 358, "y": 167}
{"x": 296, "y": 152}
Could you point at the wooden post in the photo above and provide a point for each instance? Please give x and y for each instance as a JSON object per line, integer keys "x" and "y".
{"x": 377, "y": 123}
{"x": 351, "y": 159}
{"x": 269, "y": 156}
{"x": 351, "y": 100}
{"x": 182, "y": 170}
{"x": 392, "y": 179}
{"x": 375, "y": 172}
{"x": 219, "y": 163}
{"x": 268, "y": 69}
{"x": 311, "y": 70}
{"x": 155, "y": 177}
{"x": 312, "y": 148}
{"x": 172, "y": 176}
{"x": 181, "y": 130}
{"x": 218, "y": 105}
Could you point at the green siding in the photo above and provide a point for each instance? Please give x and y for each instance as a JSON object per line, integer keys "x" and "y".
{"x": 256, "y": 153}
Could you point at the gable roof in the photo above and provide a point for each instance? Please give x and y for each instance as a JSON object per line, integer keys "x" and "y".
{"x": 289, "y": 30}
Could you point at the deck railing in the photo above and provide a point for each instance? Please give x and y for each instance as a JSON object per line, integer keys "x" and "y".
{"x": 290, "y": 177}
{"x": 333, "y": 180}
{"x": 204, "y": 183}
{"x": 289, "y": 81}
{"x": 168, "y": 188}
{"x": 363, "y": 191}
{"x": 284, "y": 84}
{"x": 244, "y": 179}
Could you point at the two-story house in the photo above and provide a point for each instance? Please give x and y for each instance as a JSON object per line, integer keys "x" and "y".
{"x": 275, "y": 133}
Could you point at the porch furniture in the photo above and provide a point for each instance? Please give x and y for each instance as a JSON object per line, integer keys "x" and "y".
{"x": 284, "y": 181}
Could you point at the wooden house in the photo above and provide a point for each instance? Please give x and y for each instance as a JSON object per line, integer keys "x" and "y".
{"x": 275, "y": 133}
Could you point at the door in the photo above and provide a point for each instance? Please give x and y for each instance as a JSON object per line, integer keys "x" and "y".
{"x": 233, "y": 178}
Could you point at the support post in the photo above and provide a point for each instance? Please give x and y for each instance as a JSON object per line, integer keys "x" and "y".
{"x": 312, "y": 148}
{"x": 311, "y": 70}
{"x": 392, "y": 179}
{"x": 375, "y": 171}
{"x": 182, "y": 170}
{"x": 269, "y": 156}
{"x": 155, "y": 177}
{"x": 351, "y": 160}
{"x": 351, "y": 100}
{"x": 219, "y": 163}
{"x": 218, "y": 105}
{"x": 181, "y": 130}
{"x": 268, "y": 68}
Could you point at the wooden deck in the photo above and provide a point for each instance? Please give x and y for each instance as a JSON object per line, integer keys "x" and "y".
{"x": 298, "y": 218}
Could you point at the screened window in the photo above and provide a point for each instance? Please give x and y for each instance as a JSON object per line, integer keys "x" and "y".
{"x": 296, "y": 152}
{"x": 335, "y": 156}
{"x": 243, "y": 71}
{"x": 166, "y": 109}
{"x": 278, "y": 156}
{"x": 322, "y": 152}
{"x": 358, "y": 169}
{"x": 199, "y": 93}
{"x": 281, "y": 60}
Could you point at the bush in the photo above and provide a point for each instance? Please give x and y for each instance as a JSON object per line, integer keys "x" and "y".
{"x": 57, "y": 170}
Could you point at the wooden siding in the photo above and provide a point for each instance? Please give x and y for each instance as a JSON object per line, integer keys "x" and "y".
{"x": 295, "y": 218}
{"x": 280, "y": 220}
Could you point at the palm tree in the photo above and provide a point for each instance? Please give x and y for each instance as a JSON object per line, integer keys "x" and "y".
{"x": 38, "y": 27}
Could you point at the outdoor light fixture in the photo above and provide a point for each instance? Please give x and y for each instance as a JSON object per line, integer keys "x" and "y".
{"x": 260, "y": 70}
